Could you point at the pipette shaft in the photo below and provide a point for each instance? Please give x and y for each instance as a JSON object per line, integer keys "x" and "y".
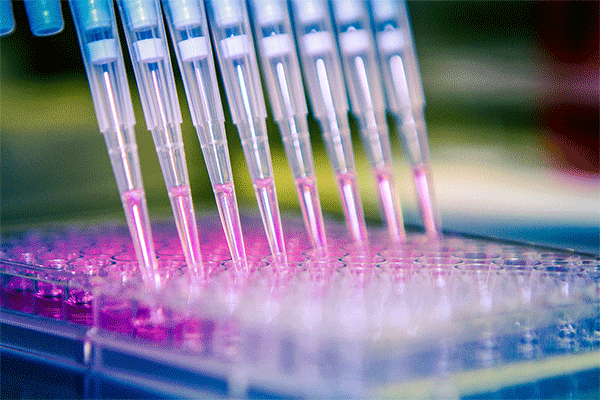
{"x": 101, "y": 51}
{"x": 284, "y": 83}
{"x": 239, "y": 69}
{"x": 324, "y": 79}
{"x": 405, "y": 97}
{"x": 367, "y": 101}
{"x": 142, "y": 20}
{"x": 189, "y": 31}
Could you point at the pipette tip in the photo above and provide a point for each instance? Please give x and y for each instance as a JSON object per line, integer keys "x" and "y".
{"x": 352, "y": 205}
{"x": 390, "y": 206}
{"x": 230, "y": 219}
{"x": 425, "y": 195}
{"x": 136, "y": 213}
{"x": 311, "y": 211}
{"x": 185, "y": 220}
{"x": 269, "y": 210}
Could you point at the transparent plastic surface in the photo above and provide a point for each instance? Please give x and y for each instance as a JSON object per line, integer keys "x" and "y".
{"x": 404, "y": 92}
{"x": 376, "y": 321}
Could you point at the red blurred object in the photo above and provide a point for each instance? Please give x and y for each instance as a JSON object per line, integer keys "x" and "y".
{"x": 568, "y": 35}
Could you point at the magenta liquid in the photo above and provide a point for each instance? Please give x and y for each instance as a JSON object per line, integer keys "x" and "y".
{"x": 269, "y": 211}
{"x": 355, "y": 218}
{"x": 117, "y": 316}
{"x": 78, "y": 307}
{"x": 48, "y": 300}
{"x": 426, "y": 204}
{"x": 230, "y": 218}
{"x": 17, "y": 294}
{"x": 311, "y": 211}
{"x": 134, "y": 205}
{"x": 390, "y": 205}
{"x": 185, "y": 219}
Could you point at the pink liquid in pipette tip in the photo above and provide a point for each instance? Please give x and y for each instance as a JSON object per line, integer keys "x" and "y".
{"x": 134, "y": 205}
{"x": 390, "y": 206}
{"x": 269, "y": 211}
{"x": 311, "y": 211}
{"x": 230, "y": 218}
{"x": 432, "y": 226}
{"x": 185, "y": 219}
{"x": 352, "y": 205}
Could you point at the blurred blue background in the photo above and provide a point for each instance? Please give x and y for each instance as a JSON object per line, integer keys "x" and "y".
{"x": 512, "y": 90}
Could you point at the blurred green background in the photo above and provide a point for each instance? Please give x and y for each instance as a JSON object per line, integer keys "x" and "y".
{"x": 512, "y": 90}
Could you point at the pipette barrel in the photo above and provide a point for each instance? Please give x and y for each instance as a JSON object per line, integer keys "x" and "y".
{"x": 405, "y": 98}
{"x": 239, "y": 69}
{"x": 190, "y": 33}
{"x": 286, "y": 93}
{"x": 103, "y": 60}
{"x": 144, "y": 30}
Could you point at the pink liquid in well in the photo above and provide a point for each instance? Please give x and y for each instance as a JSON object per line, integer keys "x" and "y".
{"x": 230, "y": 218}
{"x": 116, "y": 316}
{"x": 185, "y": 219}
{"x": 17, "y": 294}
{"x": 390, "y": 205}
{"x": 134, "y": 205}
{"x": 355, "y": 218}
{"x": 426, "y": 204}
{"x": 78, "y": 307}
{"x": 48, "y": 300}
{"x": 269, "y": 211}
{"x": 311, "y": 211}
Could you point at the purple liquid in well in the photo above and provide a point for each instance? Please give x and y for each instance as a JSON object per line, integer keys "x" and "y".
{"x": 426, "y": 203}
{"x": 230, "y": 218}
{"x": 311, "y": 211}
{"x": 152, "y": 325}
{"x": 17, "y": 294}
{"x": 185, "y": 218}
{"x": 269, "y": 211}
{"x": 48, "y": 300}
{"x": 352, "y": 206}
{"x": 116, "y": 316}
{"x": 390, "y": 205}
{"x": 134, "y": 204}
{"x": 78, "y": 308}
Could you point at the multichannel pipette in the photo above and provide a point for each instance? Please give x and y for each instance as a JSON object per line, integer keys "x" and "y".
{"x": 323, "y": 74}
{"x": 406, "y": 99}
{"x": 367, "y": 101}
{"x": 101, "y": 50}
{"x": 190, "y": 34}
{"x": 239, "y": 70}
{"x": 144, "y": 30}
{"x": 284, "y": 83}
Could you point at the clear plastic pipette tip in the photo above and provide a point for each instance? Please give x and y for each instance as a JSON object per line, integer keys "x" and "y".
{"x": 185, "y": 220}
{"x": 425, "y": 195}
{"x": 311, "y": 211}
{"x": 230, "y": 219}
{"x": 136, "y": 213}
{"x": 269, "y": 210}
{"x": 390, "y": 207}
{"x": 352, "y": 208}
